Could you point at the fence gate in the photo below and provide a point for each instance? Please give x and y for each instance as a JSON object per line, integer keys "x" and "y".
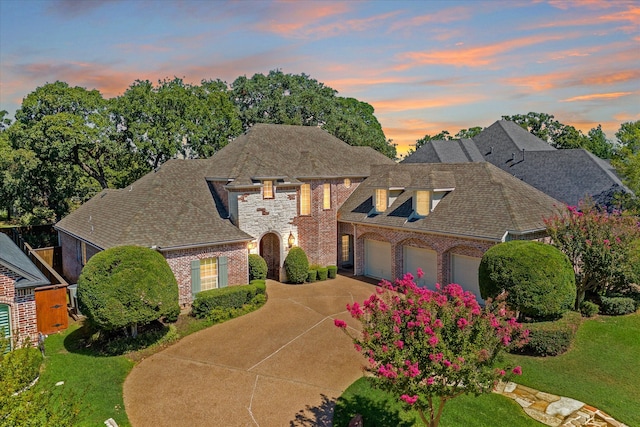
{"x": 51, "y": 310}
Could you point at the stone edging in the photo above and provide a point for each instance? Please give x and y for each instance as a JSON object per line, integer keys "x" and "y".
{"x": 555, "y": 411}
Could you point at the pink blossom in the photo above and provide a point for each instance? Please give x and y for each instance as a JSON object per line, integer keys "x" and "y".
{"x": 340, "y": 323}
{"x": 409, "y": 399}
{"x": 357, "y": 347}
{"x": 399, "y": 344}
{"x": 517, "y": 370}
{"x": 433, "y": 341}
{"x": 430, "y": 380}
{"x": 446, "y": 363}
{"x": 420, "y": 273}
{"x": 502, "y": 372}
{"x": 462, "y": 323}
{"x": 437, "y": 323}
{"x": 385, "y": 348}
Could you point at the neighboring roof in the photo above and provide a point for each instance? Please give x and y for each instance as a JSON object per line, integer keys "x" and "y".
{"x": 567, "y": 175}
{"x": 290, "y": 153}
{"x": 12, "y": 258}
{"x": 168, "y": 208}
{"x": 486, "y": 202}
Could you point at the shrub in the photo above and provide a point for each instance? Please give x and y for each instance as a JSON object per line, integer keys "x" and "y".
{"x": 617, "y": 306}
{"x": 589, "y": 309}
{"x": 296, "y": 265}
{"x": 312, "y": 276}
{"x": 538, "y": 278}
{"x": 333, "y": 271}
{"x": 19, "y": 367}
{"x": 552, "y": 338}
{"x": 323, "y": 273}
{"x": 127, "y": 286}
{"x": 232, "y": 297}
{"x": 257, "y": 267}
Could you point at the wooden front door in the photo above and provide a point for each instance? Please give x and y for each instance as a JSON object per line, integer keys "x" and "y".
{"x": 270, "y": 251}
{"x": 51, "y": 310}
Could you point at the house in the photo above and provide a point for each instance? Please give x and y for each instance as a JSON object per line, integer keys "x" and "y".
{"x": 273, "y": 187}
{"x": 19, "y": 279}
{"x": 567, "y": 175}
{"x": 440, "y": 217}
{"x": 278, "y": 186}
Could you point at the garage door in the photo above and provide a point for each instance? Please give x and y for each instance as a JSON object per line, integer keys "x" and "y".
{"x": 377, "y": 259}
{"x": 465, "y": 273}
{"x": 425, "y": 259}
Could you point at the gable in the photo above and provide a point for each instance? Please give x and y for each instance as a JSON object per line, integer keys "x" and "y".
{"x": 19, "y": 266}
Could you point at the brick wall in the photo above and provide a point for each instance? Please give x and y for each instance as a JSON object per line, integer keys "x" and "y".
{"x": 22, "y": 308}
{"x": 71, "y": 265}
{"x": 180, "y": 263}
{"x": 444, "y": 246}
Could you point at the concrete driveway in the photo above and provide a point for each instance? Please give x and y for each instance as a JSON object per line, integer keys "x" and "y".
{"x": 282, "y": 365}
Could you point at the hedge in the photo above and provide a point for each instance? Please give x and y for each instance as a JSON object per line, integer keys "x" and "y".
{"x": 232, "y": 297}
{"x": 333, "y": 271}
{"x": 552, "y": 338}
{"x": 312, "y": 275}
{"x": 589, "y": 309}
{"x": 323, "y": 273}
{"x": 617, "y": 306}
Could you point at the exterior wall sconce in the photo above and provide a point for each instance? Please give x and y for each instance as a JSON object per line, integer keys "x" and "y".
{"x": 292, "y": 240}
{"x": 251, "y": 245}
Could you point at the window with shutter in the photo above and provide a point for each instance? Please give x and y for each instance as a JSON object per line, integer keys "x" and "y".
{"x": 5, "y": 324}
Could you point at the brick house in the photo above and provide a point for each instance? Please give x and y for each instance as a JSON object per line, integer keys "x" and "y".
{"x": 19, "y": 278}
{"x": 437, "y": 217}
{"x": 277, "y": 186}
{"x": 273, "y": 187}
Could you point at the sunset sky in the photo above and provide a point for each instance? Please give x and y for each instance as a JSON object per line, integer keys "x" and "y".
{"x": 423, "y": 65}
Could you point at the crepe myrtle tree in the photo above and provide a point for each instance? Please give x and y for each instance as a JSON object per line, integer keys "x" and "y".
{"x": 427, "y": 347}
{"x": 126, "y": 286}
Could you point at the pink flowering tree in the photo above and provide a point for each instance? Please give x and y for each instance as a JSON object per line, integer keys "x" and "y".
{"x": 427, "y": 347}
{"x": 599, "y": 244}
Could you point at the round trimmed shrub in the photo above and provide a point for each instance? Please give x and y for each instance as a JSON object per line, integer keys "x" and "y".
{"x": 257, "y": 267}
{"x": 296, "y": 265}
{"x": 589, "y": 309}
{"x": 127, "y": 286}
{"x": 538, "y": 278}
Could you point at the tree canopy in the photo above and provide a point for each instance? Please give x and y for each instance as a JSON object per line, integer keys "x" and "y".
{"x": 627, "y": 156}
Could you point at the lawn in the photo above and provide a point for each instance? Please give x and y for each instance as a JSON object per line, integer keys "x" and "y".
{"x": 601, "y": 369}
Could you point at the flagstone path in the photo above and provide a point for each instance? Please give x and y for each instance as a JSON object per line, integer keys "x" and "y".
{"x": 556, "y": 411}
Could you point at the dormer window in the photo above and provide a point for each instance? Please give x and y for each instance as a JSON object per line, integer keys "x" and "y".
{"x": 267, "y": 189}
{"x": 422, "y": 202}
{"x": 382, "y": 199}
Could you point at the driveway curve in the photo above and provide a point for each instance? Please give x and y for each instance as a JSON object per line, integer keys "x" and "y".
{"x": 282, "y": 365}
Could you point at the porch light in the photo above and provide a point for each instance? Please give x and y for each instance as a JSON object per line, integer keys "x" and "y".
{"x": 251, "y": 245}
{"x": 291, "y": 240}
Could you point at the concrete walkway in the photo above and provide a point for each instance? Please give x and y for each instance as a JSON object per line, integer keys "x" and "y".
{"x": 284, "y": 365}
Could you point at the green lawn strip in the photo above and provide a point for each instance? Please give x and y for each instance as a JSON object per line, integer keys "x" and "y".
{"x": 379, "y": 409}
{"x": 95, "y": 382}
{"x": 602, "y": 368}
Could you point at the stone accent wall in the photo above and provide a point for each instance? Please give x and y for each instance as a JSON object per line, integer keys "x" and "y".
{"x": 22, "y": 308}
{"x": 444, "y": 246}
{"x": 71, "y": 265}
{"x": 180, "y": 263}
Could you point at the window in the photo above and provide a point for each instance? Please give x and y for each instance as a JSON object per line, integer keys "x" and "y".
{"x": 381, "y": 199}
{"x": 208, "y": 274}
{"x": 423, "y": 202}
{"x": 305, "y": 199}
{"x": 326, "y": 196}
{"x": 346, "y": 253}
{"x": 81, "y": 252}
{"x": 5, "y": 324}
{"x": 267, "y": 189}
{"x": 347, "y": 183}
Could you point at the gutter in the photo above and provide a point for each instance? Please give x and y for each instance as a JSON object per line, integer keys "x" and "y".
{"x": 55, "y": 227}
{"x": 198, "y": 245}
{"x": 520, "y": 233}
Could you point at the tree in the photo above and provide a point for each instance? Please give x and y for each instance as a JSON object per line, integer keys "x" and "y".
{"x": 427, "y": 347}
{"x": 538, "y": 279}
{"x": 293, "y": 99}
{"x": 127, "y": 286}
{"x": 598, "y": 245}
{"x": 598, "y": 144}
{"x": 627, "y": 158}
{"x": 468, "y": 133}
{"x": 542, "y": 125}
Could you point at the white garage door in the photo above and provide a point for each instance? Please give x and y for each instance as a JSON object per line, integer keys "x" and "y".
{"x": 465, "y": 273}
{"x": 377, "y": 259}
{"x": 425, "y": 259}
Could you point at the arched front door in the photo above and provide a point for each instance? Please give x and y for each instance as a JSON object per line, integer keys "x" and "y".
{"x": 270, "y": 251}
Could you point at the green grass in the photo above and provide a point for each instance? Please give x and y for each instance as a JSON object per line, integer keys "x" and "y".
{"x": 94, "y": 381}
{"x": 379, "y": 409}
{"x": 602, "y": 368}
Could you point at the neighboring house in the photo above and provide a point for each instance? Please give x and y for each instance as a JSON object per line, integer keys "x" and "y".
{"x": 437, "y": 217}
{"x": 19, "y": 278}
{"x": 567, "y": 175}
{"x": 273, "y": 187}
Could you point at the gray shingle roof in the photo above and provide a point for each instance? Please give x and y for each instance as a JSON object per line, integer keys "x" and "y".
{"x": 12, "y": 258}
{"x": 170, "y": 207}
{"x": 567, "y": 175}
{"x": 486, "y": 201}
{"x": 292, "y": 153}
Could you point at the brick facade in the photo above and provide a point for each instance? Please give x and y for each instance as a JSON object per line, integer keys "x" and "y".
{"x": 180, "y": 263}
{"x": 22, "y": 308}
{"x": 444, "y": 246}
{"x": 72, "y": 255}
